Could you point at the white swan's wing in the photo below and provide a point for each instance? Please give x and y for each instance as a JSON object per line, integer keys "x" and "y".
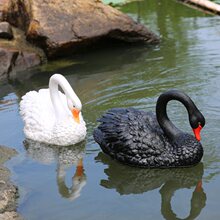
{"x": 41, "y": 124}
{"x": 37, "y": 112}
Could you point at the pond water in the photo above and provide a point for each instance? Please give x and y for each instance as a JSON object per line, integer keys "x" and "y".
{"x": 51, "y": 187}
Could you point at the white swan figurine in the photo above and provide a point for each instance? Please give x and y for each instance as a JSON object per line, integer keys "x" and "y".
{"x": 53, "y": 117}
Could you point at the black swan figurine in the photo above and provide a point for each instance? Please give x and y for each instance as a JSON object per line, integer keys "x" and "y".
{"x": 142, "y": 139}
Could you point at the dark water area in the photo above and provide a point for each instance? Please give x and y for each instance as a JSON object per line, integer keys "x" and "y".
{"x": 124, "y": 76}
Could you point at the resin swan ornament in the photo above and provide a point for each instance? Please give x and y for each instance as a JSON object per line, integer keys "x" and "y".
{"x": 53, "y": 117}
{"x": 142, "y": 139}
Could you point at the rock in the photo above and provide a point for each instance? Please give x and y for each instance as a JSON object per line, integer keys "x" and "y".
{"x": 8, "y": 192}
{"x": 8, "y": 195}
{"x": 16, "y": 12}
{"x": 7, "y": 58}
{"x": 13, "y": 61}
{"x": 63, "y": 26}
{"x": 24, "y": 61}
{"x": 5, "y": 30}
{"x": 4, "y": 4}
{"x": 6, "y": 154}
{"x": 10, "y": 216}
{"x": 18, "y": 55}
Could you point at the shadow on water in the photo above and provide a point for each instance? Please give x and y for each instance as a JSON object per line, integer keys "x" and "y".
{"x": 137, "y": 181}
{"x": 66, "y": 157}
{"x": 81, "y": 65}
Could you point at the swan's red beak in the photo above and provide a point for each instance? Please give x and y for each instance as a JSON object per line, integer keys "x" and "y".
{"x": 197, "y": 132}
{"x": 75, "y": 113}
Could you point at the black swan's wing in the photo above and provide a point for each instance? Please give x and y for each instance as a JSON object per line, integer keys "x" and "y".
{"x": 131, "y": 136}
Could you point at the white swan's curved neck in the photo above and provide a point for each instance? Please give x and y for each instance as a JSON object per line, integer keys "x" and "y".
{"x": 59, "y": 108}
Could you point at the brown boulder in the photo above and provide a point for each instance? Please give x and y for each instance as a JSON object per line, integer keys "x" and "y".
{"x": 17, "y": 55}
{"x": 61, "y": 26}
{"x": 4, "y": 5}
{"x": 16, "y": 12}
{"x": 10, "y": 216}
{"x": 5, "y": 30}
{"x": 8, "y": 192}
{"x": 13, "y": 61}
{"x": 7, "y": 58}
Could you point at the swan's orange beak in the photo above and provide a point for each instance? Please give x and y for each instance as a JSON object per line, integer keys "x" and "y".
{"x": 79, "y": 168}
{"x": 199, "y": 186}
{"x": 197, "y": 132}
{"x": 75, "y": 113}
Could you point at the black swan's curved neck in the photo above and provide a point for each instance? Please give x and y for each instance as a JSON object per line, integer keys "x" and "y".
{"x": 161, "y": 111}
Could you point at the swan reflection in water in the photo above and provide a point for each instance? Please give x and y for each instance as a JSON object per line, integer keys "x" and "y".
{"x": 130, "y": 180}
{"x": 66, "y": 157}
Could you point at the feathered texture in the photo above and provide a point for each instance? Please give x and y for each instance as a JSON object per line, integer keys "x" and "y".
{"x": 134, "y": 137}
{"x": 40, "y": 123}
